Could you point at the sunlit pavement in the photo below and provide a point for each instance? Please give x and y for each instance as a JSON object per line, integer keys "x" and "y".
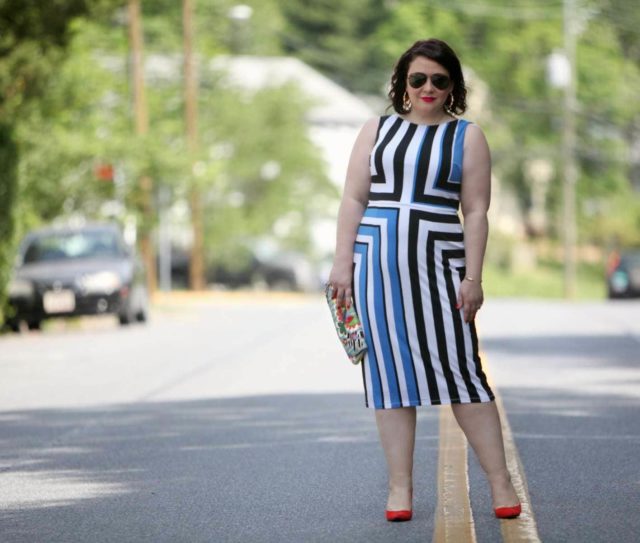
{"x": 235, "y": 417}
{"x": 569, "y": 375}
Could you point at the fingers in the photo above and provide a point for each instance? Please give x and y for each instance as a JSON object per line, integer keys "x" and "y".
{"x": 347, "y": 297}
{"x": 469, "y": 313}
{"x": 342, "y": 295}
{"x": 469, "y": 300}
{"x": 470, "y": 310}
{"x": 469, "y": 307}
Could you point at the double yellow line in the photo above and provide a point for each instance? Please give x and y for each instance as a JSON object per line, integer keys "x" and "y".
{"x": 454, "y": 517}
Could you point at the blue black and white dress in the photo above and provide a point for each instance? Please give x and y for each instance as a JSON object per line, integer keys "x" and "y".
{"x": 409, "y": 261}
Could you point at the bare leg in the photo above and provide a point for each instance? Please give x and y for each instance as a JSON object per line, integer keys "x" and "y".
{"x": 481, "y": 424}
{"x": 397, "y": 429}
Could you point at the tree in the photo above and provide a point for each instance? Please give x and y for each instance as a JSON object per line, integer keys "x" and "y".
{"x": 34, "y": 36}
{"x": 8, "y": 167}
{"x": 252, "y": 148}
{"x": 508, "y": 49}
{"x": 196, "y": 267}
{"x": 337, "y": 38}
{"x": 163, "y": 20}
{"x": 269, "y": 179}
{"x": 141, "y": 124}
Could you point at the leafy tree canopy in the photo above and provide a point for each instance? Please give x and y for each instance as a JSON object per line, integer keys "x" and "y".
{"x": 33, "y": 36}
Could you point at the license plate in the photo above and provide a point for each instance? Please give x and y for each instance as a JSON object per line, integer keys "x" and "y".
{"x": 59, "y": 301}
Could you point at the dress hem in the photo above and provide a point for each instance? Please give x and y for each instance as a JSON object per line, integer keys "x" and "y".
{"x": 430, "y": 403}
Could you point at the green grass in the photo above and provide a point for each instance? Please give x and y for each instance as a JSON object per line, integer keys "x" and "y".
{"x": 545, "y": 281}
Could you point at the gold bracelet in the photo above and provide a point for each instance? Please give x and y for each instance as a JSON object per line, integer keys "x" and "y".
{"x": 472, "y": 279}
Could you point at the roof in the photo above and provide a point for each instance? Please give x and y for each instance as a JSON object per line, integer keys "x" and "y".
{"x": 333, "y": 103}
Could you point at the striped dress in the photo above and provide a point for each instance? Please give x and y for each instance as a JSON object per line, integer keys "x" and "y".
{"x": 409, "y": 261}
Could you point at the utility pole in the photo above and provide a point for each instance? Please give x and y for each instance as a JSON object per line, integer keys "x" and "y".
{"x": 196, "y": 268}
{"x": 570, "y": 168}
{"x": 141, "y": 123}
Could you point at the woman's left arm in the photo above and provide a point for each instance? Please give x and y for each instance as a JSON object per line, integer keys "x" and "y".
{"x": 475, "y": 197}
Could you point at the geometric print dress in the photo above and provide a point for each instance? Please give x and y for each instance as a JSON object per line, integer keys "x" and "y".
{"x": 409, "y": 261}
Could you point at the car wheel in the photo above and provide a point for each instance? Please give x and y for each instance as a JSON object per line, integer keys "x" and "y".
{"x": 126, "y": 316}
{"x": 34, "y": 325}
{"x": 614, "y": 295}
{"x": 13, "y": 326}
{"x": 142, "y": 307}
{"x": 124, "y": 319}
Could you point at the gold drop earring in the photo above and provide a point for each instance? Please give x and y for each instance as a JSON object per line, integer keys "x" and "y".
{"x": 449, "y": 101}
{"x": 406, "y": 102}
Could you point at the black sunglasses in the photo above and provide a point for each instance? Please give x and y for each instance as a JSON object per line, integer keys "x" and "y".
{"x": 439, "y": 81}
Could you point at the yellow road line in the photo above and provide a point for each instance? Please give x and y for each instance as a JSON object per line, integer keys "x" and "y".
{"x": 454, "y": 519}
{"x": 523, "y": 529}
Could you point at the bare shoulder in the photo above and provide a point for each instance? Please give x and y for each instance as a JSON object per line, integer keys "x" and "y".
{"x": 474, "y": 136}
{"x": 370, "y": 128}
{"x": 367, "y": 136}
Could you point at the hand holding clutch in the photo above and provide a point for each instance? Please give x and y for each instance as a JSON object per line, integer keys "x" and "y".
{"x": 348, "y": 327}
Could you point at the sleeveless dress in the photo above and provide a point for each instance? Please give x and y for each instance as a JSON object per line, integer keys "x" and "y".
{"x": 409, "y": 261}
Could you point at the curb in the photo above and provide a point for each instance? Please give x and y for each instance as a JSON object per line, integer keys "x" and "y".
{"x": 208, "y": 297}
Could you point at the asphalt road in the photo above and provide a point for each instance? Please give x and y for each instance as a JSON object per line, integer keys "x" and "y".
{"x": 238, "y": 419}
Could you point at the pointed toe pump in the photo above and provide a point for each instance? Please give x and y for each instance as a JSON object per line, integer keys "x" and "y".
{"x": 399, "y": 516}
{"x": 508, "y": 512}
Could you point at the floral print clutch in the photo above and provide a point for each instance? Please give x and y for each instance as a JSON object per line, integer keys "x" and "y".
{"x": 348, "y": 327}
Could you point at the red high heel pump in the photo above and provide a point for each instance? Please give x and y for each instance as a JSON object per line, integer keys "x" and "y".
{"x": 508, "y": 512}
{"x": 399, "y": 516}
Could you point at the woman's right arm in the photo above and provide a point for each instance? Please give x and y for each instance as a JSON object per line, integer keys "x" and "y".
{"x": 354, "y": 202}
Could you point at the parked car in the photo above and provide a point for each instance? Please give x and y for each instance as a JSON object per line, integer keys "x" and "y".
{"x": 264, "y": 266}
{"x": 623, "y": 274}
{"x": 88, "y": 270}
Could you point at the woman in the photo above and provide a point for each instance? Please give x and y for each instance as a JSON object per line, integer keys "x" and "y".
{"x": 415, "y": 275}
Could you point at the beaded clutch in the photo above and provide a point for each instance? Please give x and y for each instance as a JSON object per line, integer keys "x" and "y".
{"x": 348, "y": 327}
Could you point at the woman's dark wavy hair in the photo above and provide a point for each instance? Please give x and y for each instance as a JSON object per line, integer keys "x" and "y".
{"x": 441, "y": 53}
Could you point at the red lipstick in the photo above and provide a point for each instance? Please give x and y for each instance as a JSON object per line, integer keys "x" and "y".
{"x": 427, "y": 99}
